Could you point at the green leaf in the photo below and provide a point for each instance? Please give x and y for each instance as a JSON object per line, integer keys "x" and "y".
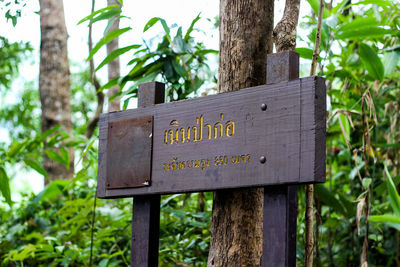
{"x": 390, "y": 219}
{"x": 304, "y": 52}
{"x": 150, "y": 23}
{"x": 47, "y": 133}
{"x": 371, "y": 62}
{"x": 393, "y": 194}
{"x": 106, "y": 39}
{"x": 179, "y": 69}
{"x": 110, "y": 84}
{"x": 166, "y": 29}
{"x": 390, "y": 61}
{"x": 15, "y": 148}
{"x": 97, "y": 12}
{"x": 106, "y": 15}
{"x": 359, "y": 22}
{"x": 116, "y": 53}
{"x": 52, "y": 191}
{"x": 366, "y": 182}
{"x": 36, "y": 166}
{"x": 363, "y": 33}
{"x": 385, "y": 218}
{"x": 5, "y": 186}
{"x": 328, "y": 198}
{"x": 54, "y": 156}
{"x": 179, "y": 44}
{"x": 315, "y": 6}
{"x": 89, "y": 146}
{"x": 191, "y": 27}
{"x": 382, "y": 3}
{"x": 153, "y": 21}
{"x": 65, "y": 156}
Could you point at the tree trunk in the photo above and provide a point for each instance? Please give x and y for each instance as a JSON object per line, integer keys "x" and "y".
{"x": 237, "y": 217}
{"x": 286, "y": 29}
{"x": 54, "y": 84}
{"x": 113, "y": 66}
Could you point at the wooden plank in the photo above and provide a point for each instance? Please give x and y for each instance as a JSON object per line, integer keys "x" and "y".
{"x": 279, "y": 226}
{"x": 146, "y": 209}
{"x": 272, "y": 133}
{"x": 280, "y": 202}
{"x": 313, "y": 131}
{"x": 145, "y": 231}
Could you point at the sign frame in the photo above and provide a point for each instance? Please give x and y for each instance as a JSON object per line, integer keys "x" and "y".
{"x": 288, "y": 150}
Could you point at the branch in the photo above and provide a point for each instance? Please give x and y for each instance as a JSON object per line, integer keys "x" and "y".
{"x": 100, "y": 96}
{"x": 309, "y": 248}
{"x": 317, "y": 40}
{"x": 285, "y": 31}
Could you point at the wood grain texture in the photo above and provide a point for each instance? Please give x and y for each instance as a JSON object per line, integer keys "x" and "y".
{"x": 280, "y": 202}
{"x": 145, "y": 231}
{"x": 287, "y": 133}
{"x": 279, "y": 226}
{"x": 146, "y": 209}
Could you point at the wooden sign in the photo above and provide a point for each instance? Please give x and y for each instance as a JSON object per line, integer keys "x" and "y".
{"x": 266, "y": 135}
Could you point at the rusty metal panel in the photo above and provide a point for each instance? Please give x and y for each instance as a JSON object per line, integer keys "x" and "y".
{"x": 129, "y": 151}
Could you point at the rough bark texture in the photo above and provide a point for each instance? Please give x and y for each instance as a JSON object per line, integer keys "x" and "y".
{"x": 113, "y": 66}
{"x": 54, "y": 84}
{"x": 285, "y": 30}
{"x": 245, "y": 40}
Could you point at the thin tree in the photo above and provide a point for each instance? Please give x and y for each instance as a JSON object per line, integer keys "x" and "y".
{"x": 92, "y": 124}
{"x": 54, "y": 84}
{"x": 113, "y": 66}
{"x": 245, "y": 40}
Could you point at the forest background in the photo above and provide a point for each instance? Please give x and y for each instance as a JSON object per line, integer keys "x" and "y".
{"x": 357, "y": 209}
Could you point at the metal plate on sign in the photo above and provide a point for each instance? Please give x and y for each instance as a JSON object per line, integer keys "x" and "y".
{"x": 129, "y": 150}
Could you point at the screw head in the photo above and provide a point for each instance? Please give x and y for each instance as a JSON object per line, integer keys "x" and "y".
{"x": 263, "y": 106}
{"x": 263, "y": 159}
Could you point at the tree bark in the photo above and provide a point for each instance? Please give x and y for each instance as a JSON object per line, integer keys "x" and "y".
{"x": 54, "y": 84}
{"x": 113, "y": 66}
{"x": 309, "y": 246}
{"x": 286, "y": 29}
{"x": 237, "y": 218}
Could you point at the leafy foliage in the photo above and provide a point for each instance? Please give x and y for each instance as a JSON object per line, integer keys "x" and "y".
{"x": 53, "y": 228}
{"x": 359, "y": 58}
{"x": 179, "y": 62}
{"x": 10, "y": 57}
{"x": 360, "y": 52}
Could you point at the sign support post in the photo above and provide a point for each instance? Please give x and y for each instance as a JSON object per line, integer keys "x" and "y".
{"x": 280, "y": 202}
{"x": 146, "y": 209}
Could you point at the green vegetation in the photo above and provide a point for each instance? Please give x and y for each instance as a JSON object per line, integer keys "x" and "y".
{"x": 359, "y": 202}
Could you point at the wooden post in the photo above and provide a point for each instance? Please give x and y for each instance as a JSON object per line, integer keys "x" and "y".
{"x": 146, "y": 209}
{"x": 280, "y": 202}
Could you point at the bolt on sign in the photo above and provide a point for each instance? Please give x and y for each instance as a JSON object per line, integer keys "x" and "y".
{"x": 265, "y": 135}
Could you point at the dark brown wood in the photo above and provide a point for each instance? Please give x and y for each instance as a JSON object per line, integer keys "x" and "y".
{"x": 129, "y": 166}
{"x": 282, "y": 67}
{"x": 280, "y": 202}
{"x": 145, "y": 231}
{"x": 146, "y": 209}
{"x": 284, "y": 132}
{"x": 279, "y": 226}
{"x": 150, "y": 93}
